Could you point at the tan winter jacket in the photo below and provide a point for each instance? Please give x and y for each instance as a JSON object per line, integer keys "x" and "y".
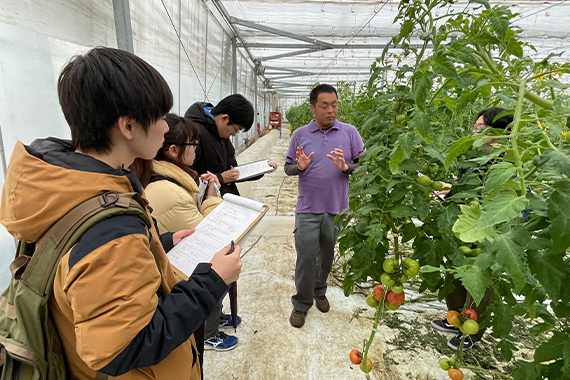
{"x": 175, "y": 207}
{"x": 105, "y": 303}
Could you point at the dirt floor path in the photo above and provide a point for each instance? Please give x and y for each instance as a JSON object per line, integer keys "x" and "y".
{"x": 270, "y": 348}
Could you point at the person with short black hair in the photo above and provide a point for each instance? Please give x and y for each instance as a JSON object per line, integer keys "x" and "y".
{"x": 118, "y": 311}
{"x": 323, "y": 189}
{"x": 216, "y": 125}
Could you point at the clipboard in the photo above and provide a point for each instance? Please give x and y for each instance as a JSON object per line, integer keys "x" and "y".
{"x": 233, "y": 219}
{"x": 253, "y": 169}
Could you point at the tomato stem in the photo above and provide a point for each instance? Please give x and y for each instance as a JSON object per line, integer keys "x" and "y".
{"x": 379, "y": 312}
{"x": 514, "y": 134}
{"x": 495, "y": 373}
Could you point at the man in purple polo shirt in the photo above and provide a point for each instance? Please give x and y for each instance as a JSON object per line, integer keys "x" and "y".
{"x": 323, "y": 187}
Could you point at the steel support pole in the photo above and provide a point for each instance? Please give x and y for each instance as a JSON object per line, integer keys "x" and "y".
{"x": 234, "y": 65}
{"x": 123, "y": 29}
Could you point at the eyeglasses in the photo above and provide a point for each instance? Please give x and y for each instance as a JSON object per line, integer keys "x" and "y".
{"x": 193, "y": 143}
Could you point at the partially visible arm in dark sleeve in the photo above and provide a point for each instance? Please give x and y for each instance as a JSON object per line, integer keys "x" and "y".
{"x": 352, "y": 167}
{"x": 178, "y": 315}
{"x": 292, "y": 169}
{"x": 167, "y": 241}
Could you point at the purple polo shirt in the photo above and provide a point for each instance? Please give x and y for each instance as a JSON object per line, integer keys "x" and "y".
{"x": 323, "y": 188}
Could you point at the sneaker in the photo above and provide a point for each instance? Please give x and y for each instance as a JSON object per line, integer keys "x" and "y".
{"x": 322, "y": 304}
{"x": 443, "y": 326}
{"x": 226, "y": 320}
{"x": 297, "y": 318}
{"x": 455, "y": 342}
{"x": 221, "y": 342}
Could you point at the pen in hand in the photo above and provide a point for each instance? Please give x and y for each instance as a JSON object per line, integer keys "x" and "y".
{"x": 231, "y": 247}
{"x": 215, "y": 186}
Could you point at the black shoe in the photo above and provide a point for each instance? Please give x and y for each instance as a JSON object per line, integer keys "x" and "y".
{"x": 443, "y": 326}
{"x": 322, "y": 304}
{"x": 455, "y": 342}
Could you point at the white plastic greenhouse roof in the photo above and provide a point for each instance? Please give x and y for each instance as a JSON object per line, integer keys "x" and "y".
{"x": 299, "y": 43}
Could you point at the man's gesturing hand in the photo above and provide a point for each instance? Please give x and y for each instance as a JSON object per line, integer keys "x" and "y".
{"x": 302, "y": 159}
{"x": 338, "y": 160}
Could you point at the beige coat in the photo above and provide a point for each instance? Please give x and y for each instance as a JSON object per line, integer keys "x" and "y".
{"x": 175, "y": 207}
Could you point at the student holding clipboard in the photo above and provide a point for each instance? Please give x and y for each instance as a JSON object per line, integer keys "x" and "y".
{"x": 216, "y": 125}
{"x": 172, "y": 190}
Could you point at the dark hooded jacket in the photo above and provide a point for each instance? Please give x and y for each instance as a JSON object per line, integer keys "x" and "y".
{"x": 215, "y": 154}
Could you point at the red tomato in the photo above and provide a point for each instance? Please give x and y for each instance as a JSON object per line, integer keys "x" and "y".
{"x": 355, "y": 357}
{"x": 378, "y": 291}
{"x": 395, "y": 298}
{"x": 469, "y": 313}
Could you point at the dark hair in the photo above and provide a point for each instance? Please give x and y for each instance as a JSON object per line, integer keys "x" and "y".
{"x": 321, "y": 88}
{"x": 238, "y": 108}
{"x": 180, "y": 131}
{"x": 97, "y": 88}
{"x": 490, "y": 114}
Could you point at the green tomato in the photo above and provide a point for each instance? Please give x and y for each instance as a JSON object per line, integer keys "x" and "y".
{"x": 437, "y": 185}
{"x": 411, "y": 267}
{"x": 465, "y": 250}
{"x": 452, "y": 361}
{"x": 387, "y": 280}
{"x": 470, "y": 327}
{"x": 398, "y": 288}
{"x": 433, "y": 168}
{"x": 444, "y": 364}
{"x": 403, "y": 278}
{"x": 390, "y": 306}
{"x": 401, "y": 117}
{"x": 390, "y": 265}
{"x": 424, "y": 180}
{"x": 371, "y": 301}
{"x": 476, "y": 252}
{"x": 425, "y": 168}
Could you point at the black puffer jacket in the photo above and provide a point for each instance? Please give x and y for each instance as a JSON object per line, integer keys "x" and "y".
{"x": 215, "y": 154}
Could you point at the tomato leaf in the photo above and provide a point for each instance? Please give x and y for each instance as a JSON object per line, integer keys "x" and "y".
{"x": 553, "y": 349}
{"x": 421, "y": 124}
{"x": 502, "y": 320}
{"x": 559, "y": 214}
{"x": 421, "y": 205}
{"x": 476, "y": 282}
{"x": 511, "y": 255}
{"x": 500, "y": 23}
{"x": 406, "y": 142}
{"x": 464, "y": 53}
{"x": 466, "y": 227}
{"x": 505, "y": 206}
{"x": 397, "y": 157}
{"x": 423, "y": 85}
{"x": 458, "y": 147}
{"x": 442, "y": 65}
{"x": 498, "y": 175}
{"x": 547, "y": 270}
{"x": 527, "y": 371}
{"x": 557, "y": 160}
{"x": 506, "y": 348}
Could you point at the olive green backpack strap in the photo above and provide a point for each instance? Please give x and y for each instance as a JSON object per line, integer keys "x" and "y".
{"x": 30, "y": 347}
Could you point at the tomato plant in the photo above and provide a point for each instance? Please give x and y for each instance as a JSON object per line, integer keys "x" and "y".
{"x": 510, "y": 199}
{"x": 355, "y": 357}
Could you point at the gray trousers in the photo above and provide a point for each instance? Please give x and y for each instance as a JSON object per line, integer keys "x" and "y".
{"x": 212, "y": 324}
{"x": 315, "y": 238}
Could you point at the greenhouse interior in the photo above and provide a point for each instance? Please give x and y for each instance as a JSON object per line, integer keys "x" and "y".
{"x": 442, "y": 197}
